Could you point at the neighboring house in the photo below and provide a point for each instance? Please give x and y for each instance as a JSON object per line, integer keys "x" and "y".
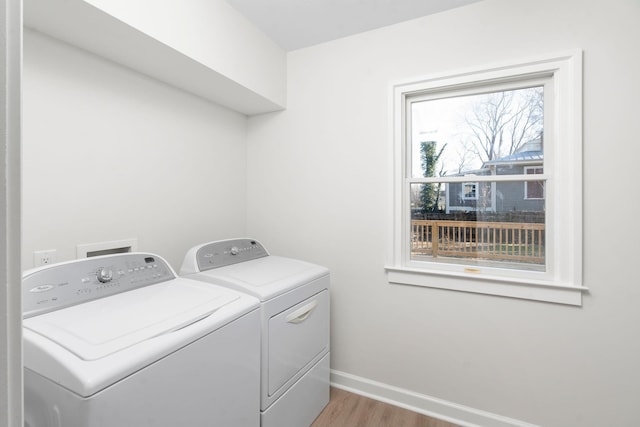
{"x": 502, "y": 196}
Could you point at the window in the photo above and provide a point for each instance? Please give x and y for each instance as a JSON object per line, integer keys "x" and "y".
{"x": 469, "y": 191}
{"x": 515, "y": 228}
{"x": 533, "y": 189}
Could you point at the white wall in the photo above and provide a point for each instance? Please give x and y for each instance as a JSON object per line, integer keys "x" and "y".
{"x": 111, "y": 154}
{"x": 318, "y": 189}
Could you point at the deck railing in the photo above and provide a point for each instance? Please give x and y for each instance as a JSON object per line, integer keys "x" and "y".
{"x": 503, "y": 241}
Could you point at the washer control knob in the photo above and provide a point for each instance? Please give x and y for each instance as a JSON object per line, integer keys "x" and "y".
{"x": 235, "y": 250}
{"x": 104, "y": 275}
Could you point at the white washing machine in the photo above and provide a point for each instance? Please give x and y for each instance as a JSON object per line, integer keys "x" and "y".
{"x": 295, "y": 323}
{"x": 120, "y": 341}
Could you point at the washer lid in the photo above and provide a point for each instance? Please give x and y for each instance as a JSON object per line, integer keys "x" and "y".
{"x": 266, "y": 277}
{"x": 98, "y": 328}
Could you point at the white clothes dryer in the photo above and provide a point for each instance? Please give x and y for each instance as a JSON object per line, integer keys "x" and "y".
{"x": 295, "y": 323}
{"x": 121, "y": 341}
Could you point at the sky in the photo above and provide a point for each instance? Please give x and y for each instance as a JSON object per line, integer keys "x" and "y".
{"x": 441, "y": 120}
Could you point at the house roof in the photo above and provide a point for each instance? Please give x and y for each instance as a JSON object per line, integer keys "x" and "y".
{"x": 531, "y": 154}
{"x": 521, "y": 157}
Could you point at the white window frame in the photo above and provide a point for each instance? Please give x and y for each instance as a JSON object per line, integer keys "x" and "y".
{"x": 561, "y": 282}
{"x": 526, "y": 188}
{"x": 475, "y": 191}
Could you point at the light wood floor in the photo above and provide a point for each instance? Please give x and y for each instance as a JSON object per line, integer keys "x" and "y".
{"x": 351, "y": 410}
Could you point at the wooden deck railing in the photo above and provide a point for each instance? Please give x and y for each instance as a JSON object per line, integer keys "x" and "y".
{"x": 503, "y": 241}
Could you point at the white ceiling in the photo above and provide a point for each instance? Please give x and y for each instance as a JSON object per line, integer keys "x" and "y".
{"x": 294, "y": 24}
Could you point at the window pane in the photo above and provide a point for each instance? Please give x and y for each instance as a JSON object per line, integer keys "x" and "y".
{"x": 499, "y": 228}
{"x": 492, "y": 133}
{"x": 534, "y": 189}
{"x": 470, "y": 191}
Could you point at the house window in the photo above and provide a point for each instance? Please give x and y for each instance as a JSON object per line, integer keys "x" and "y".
{"x": 533, "y": 189}
{"x": 515, "y": 230}
{"x": 469, "y": 191}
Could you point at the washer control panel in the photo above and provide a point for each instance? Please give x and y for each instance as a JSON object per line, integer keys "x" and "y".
{"x": 70, "y": 283}
{"x": 227, "y": 252}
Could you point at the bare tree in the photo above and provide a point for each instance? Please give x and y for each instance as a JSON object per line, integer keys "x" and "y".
{"x": 502, "y": 122}
{"x": 466, "y": 153}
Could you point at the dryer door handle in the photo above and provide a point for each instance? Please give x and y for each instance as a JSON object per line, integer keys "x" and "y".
{"x": 301, "y": 314}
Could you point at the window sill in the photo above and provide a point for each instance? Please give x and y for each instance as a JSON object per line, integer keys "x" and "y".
{"x": 490, "y": 285}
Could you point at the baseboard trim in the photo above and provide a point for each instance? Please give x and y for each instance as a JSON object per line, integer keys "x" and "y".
{"x": 421, "y": 403}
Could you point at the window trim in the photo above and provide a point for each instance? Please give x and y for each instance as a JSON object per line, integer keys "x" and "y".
{"x": 562, "y": 282}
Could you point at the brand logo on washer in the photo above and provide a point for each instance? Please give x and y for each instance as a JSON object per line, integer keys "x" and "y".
{"x": 42, "y": 288}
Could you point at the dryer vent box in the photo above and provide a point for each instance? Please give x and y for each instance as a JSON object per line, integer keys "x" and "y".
{"x": 89, "y": 250}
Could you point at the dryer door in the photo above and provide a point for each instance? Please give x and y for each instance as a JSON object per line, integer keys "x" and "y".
{"x": 297, "y": 337}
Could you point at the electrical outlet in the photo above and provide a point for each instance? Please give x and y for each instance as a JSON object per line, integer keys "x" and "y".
{"x": 44, "y": 257}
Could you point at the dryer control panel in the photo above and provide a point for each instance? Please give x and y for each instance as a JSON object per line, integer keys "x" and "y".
{"x": 61, "y": 285}
{"x": 226, "y": 252}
